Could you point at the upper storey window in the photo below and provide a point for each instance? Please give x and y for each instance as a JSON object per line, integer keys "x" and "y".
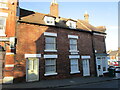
{"x": 71, "y": 24}
{"x": 2, "y": 26}
{"x": 3, "y": 4}
{"x": 49, "y": 20}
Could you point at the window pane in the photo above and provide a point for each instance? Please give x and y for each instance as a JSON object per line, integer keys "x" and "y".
{"x": 50, "y": 43}
{"x": 74, "y": 68}
{"x": 73, "y": 41}
{"x": 50, "y": 62}
{"x": 50, "y": 69}
{"x": 74, "y": 61}
{"x": 73, "y": 44}
{"x": 50, "y": 66}
{"x": 73, "y": 47}
{"x": 74, "y": 65}
{"x": 50, "y": 40}
{"x": 2, "y": 21}
{"x": 50, "y": 47}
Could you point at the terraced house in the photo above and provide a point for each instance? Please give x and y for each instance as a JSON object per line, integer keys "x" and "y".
{"x": 41, "y": 46}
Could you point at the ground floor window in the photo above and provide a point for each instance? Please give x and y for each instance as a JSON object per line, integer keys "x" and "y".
{"x": 74, "y": 65}
{"x": 50, "y": 66}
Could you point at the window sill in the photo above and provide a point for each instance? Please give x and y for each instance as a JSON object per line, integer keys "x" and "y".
{"x": 2, "y": 34}
{"x": 48, "y": 74}
{"x": 73, "y": 51}
{"x": 4, "y": 7}
{"x": 50, "y": 50}
{"x": 74, "y": 72}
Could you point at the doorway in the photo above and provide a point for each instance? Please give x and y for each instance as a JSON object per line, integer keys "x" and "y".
{"x": 86, "y": 68}
{"x": 32, "y": 68}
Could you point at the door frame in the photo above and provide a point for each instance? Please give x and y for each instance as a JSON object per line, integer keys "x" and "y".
{"x": 86, "y": 58}
{"x": 88, "y": 66}
{"x": 31, "y": 56}
{"x": 98, "y": 74}
{"x": 101, "y": 60}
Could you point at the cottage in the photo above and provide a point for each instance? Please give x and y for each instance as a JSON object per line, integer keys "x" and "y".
{"x": 47, "y": 46}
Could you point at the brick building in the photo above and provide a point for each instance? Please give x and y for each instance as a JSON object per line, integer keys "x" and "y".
{"x": 47, "y": 46}
{"x": 7, "y": 37}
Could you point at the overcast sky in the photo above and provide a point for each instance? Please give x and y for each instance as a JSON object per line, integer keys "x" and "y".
{"x": 100, "y": 14}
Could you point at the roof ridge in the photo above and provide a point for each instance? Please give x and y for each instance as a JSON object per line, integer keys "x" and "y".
{"x": 84, "y": 25}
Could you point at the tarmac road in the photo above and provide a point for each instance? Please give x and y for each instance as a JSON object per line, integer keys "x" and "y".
{"x": 106, "y": 84}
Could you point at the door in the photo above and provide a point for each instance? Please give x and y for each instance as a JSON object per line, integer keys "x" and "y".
{"x": 99, "y": 66}
{"x": 32, "y": 69}
{"x": 86, "y": 68}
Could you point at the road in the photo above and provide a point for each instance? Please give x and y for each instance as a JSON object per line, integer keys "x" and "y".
{"x": 106, "y": 84}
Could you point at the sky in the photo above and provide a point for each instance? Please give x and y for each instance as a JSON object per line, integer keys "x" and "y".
{"x": 100, "y": 14}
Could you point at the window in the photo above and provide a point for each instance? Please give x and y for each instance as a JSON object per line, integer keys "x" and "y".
{"x": 50, "y": 43}
{"x": 74, "y": 65}
{"x": 50, "y": 66}
{"x": 73, "y": 44}
{"x": 49, "y": 20}
{"x": 2, "y": 25}
{"x": 71, "y": 24}
{"x": 3, "y": 4}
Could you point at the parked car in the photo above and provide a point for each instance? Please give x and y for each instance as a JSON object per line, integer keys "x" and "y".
{"x": 117, "y": 69}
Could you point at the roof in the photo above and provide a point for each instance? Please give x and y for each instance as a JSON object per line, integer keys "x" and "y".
{"x": 113, "y": 53}
{"x": 35, "y": 17}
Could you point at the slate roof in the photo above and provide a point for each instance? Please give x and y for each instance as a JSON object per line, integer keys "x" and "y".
{"x": 35, "y": 17}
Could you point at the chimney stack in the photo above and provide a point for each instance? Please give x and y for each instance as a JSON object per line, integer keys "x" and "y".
{"x": 54, "y": 8}
{"x": 86, "y": 17}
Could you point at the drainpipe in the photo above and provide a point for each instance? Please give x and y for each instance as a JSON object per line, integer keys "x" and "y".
{"x": 93, "y": 48}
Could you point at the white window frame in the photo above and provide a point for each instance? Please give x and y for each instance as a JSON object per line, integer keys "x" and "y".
{"x": 2, "y": 32}
{"x": 3, "y": 2}
{"x": 48, "y": 19}
{"x": 85, "y": 57}
{"x": 74, "y": 57}
{"x": 49, "y": 34}
{"x": 77, "y": 65}
{"x": 51, "y": 57}
{"x": 53, "y": 45}
{"x": 73, "y": 37}
{"x": 32, "y": 55}
{"x": 71, "y": 24}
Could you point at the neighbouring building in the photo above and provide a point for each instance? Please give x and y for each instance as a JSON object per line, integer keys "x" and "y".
{"x": 114, "y": 57}
{"x": 41, "y": 46}
{"x": 7, "y": 39}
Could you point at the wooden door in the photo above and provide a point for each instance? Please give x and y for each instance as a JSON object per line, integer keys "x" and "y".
{"x": 86, "y": 68}
{"x": 32, "y": 69}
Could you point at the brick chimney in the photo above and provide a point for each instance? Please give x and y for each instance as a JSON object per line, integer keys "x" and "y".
{"x": 54, "y": 8}
{"x": 86, "y": 17}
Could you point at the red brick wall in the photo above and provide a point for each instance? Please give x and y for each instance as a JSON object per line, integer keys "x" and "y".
{"x": 10, "y": 32}
{"x": 30, "y": 40}
{"x": 99, "y": 44}
{"x": 54, "y": 10}
{"x": 11, "y": 19}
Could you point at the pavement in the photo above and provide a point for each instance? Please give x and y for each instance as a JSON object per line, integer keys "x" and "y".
{"x": 60, "y": 83}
